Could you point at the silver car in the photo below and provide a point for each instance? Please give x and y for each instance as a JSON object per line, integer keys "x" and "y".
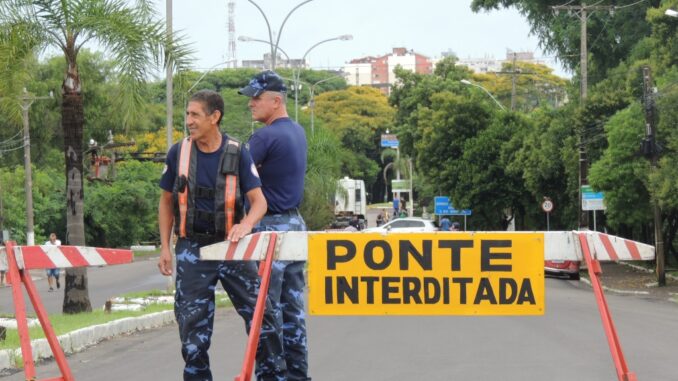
{"x": 405, "y": 225}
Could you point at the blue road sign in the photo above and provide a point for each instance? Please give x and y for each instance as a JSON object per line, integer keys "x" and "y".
{"x": 443, "y": 207}
{"x": 591, "y": 200}
{"x": 389, "y": 140}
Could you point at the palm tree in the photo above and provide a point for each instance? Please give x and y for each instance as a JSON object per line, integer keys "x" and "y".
{"x": 132, "y": 37}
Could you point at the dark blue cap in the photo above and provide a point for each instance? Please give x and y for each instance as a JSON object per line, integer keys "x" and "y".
{"x": 267, "y": 80}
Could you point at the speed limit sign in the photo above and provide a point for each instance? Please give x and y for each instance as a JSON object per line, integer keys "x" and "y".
{"x": 547, "y": 205}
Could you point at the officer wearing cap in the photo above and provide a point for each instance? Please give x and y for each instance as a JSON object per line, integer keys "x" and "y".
{"x": 279, "y": 153}
{"x": 206, "y": 179}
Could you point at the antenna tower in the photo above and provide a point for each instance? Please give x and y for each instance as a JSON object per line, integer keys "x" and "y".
{"x": 231, "y": 34}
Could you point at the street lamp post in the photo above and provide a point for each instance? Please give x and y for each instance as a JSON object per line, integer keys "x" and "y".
{"x": 467, "y": 82}
{"x": 297, "y": 72}
{"x": 251, "y": 39}
{"x": 296, "y": 69}
{"x": 26, "y": 102}
{"x": 274, "y": 46}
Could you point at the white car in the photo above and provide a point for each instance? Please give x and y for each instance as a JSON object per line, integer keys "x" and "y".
{"x": 405, "y": 225}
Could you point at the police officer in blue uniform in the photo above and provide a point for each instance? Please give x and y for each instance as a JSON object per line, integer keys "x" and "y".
{"x": 204, "y": 183}
{"x": 279, "y": 153}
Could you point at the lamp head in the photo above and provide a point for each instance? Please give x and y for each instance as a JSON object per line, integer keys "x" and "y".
{"x": 671, "y": 13}
{"x": 465, "y": 81}
{"x": 346, "y": 37}
{"x": 245, "y": 38}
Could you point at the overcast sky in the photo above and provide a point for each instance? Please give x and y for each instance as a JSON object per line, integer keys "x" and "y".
{"x": 429, "y": 27}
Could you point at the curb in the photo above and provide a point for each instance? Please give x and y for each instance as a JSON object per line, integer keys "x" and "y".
{"x": 643, "y": 269}
{"x": 79, "y": 340}
{"x": 627, "y": 292}
{"x": 623, "y": 292}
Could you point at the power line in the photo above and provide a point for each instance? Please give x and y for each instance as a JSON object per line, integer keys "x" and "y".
{"x": 2, "y": 151}
{"x": 13, "y": 137}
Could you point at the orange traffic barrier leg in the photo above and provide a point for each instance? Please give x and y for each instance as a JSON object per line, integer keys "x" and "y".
{"x": 255, "y": 328}
{"x": 594, "y": 269}
{"x": 19, "y": 276}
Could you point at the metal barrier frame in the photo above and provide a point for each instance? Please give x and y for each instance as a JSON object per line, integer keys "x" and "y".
{"x": 17, "y": 278}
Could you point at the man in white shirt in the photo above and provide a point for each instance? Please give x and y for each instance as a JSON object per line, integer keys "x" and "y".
{"x": 53, "y": 274}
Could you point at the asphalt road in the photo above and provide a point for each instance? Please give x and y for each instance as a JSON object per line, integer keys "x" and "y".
{"x": 104, "y": 283}
{"x": 567, "y": 343}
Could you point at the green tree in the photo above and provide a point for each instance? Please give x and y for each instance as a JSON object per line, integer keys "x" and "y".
{"x": 124, "y": 212}
{"x": 481, "y": 179}
{"x": 358, "y": 116}
{"x": 445, "y": 127}
{"x": 414, "y": 91}
{"x": 623, "y": 175}
{"x": 322, "y": 173}
{"x": 612, "y": 35}
{"x": 547, "y": 162}
{"x": 535, "y": 85}
{"x": 48, "y": 193}
{"x": 131, "y": 35}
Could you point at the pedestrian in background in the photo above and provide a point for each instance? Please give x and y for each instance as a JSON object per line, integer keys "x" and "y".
{"x": 3, "y": 280}
{"x": 396, "y": 206}
{"x": 445, "y": 224}
{"x": 279, "y": 150}
{"x": 53, "y": 274}
{"x": 206, "y": 180}
{"x": 355, "y": 222}
{"x": 456, "y": 227}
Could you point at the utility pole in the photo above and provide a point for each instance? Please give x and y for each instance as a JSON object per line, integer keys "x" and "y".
{"x": 169, "y": 93}
{"x": 514, "y": 73}
{"x": 26, "y": 102}
{"x": 582, "y": 11}
{"x": 651, "y": 150}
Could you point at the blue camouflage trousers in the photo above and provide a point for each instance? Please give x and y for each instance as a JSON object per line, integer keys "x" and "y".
{"x": 286, "y": 292}
{"x": 194, "y": 309}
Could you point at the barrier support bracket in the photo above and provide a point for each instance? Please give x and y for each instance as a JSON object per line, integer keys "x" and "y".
{"x": 257, "y": 318}
{"x": 17, "y": 278}
{"x": 594, "y": 269}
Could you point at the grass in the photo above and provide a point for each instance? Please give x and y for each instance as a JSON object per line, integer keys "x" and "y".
{"x": 146, "y": 254}
{"x": 67, "y": 323}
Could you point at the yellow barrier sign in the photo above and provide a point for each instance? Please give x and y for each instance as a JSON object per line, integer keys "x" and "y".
{"x": 426, "y": 274}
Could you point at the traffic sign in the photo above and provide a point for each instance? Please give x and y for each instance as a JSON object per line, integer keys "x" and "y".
{"x": 400, "y": 185}
{"x": 426, "y": 274}
{"x": 389, "y": 140}
{"x": 591, "y": 200}
{"x": 443, "y": 207}
{"x": 547, "y": 205}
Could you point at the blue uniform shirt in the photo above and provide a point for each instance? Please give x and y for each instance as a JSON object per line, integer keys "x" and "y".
{"x": 279, "y": 153}
{"x": 208, "y": 168}
{"x": 445, "y": 224}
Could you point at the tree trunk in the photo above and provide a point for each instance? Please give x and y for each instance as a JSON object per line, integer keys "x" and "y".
{"x": 76, "y": 295}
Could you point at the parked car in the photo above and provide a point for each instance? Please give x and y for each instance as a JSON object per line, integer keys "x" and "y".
{"x": 563, "y": 268}
{"x": 406, "y": 224}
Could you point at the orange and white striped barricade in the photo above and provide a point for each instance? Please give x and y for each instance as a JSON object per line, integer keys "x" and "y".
{"x": 21, "y": 259}
{"x": 495, "y": 273}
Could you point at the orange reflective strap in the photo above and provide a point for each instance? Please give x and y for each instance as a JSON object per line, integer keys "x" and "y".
{"x": 229, "y": 196}
{"x": 184, "y": 164}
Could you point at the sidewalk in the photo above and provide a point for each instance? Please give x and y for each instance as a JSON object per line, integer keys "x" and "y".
{"x": 631, "y": 279}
